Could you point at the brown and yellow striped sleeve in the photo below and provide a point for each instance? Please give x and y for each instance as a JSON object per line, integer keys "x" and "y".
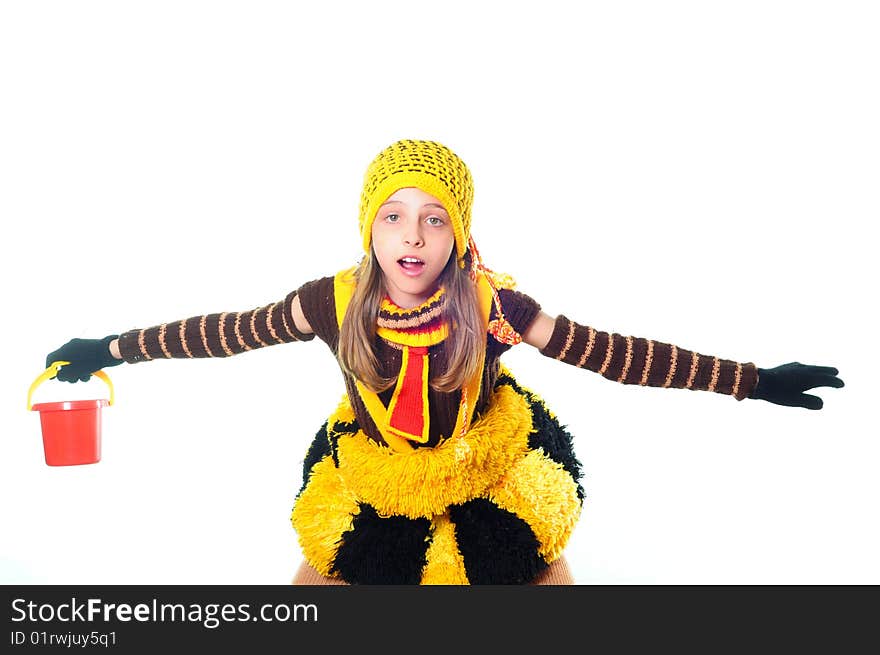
{"x": 634, "y": 360}
{"x": 214, "y": 335}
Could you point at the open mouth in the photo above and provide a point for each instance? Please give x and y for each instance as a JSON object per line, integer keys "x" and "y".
{"x": 411, "y": 265}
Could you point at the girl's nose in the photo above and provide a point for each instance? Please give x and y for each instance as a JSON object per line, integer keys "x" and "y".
{"x": 413, "y": 238}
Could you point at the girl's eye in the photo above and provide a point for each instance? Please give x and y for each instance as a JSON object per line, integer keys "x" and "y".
{"x": 433, "y": 220}
{"x": 392, "y": 218}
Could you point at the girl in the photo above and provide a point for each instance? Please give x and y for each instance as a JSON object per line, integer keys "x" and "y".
{"x": 437, "y": 467}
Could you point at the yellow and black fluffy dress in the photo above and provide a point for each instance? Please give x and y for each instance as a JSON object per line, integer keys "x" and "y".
{"x": 493, "y": 507}
{"x": 495, "y": 503}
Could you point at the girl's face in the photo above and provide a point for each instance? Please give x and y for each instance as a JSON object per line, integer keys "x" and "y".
{"x": 413, "y": 239}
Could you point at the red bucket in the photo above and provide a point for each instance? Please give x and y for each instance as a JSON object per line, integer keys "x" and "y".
{"x": 71, "y": 428}
{"x": 71, "y": 431}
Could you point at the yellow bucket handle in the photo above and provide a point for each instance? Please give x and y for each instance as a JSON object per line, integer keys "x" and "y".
{"x": 52, "y": 371}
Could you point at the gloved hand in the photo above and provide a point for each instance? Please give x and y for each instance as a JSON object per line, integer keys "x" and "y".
{"x": 785, "y": 384}
{"x": 85, "y": 356}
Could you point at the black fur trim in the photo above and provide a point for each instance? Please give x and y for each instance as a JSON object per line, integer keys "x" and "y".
{"x": 323, "y": 445}
{"x": 338, "y": 430}
{"x": 498, "y": 547}
{"x": 319, "y": 449}
{"x": 383, "y": 550}
{"x": 549, "y": 435}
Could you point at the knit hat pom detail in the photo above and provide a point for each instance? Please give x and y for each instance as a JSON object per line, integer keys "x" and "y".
{"x": 499, "y": 328}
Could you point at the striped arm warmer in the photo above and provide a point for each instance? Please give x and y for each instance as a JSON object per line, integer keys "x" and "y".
{"x": 214, "y": 335}
{"x": 633, "y": 360}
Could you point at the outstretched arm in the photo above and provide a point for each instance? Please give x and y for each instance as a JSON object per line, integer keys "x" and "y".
{"x": 299, "y": 321}
{"x": 633, "y": 360}
{"x": 210, "y": 335}
{"x": 217, "y": 335}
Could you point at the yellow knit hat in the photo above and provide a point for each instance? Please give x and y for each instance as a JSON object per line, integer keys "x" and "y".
{"x": 429, "y": 166}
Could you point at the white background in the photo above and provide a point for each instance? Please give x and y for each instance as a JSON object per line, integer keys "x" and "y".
{"x": 704, "y": 174}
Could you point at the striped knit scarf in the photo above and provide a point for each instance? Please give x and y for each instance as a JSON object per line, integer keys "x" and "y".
{"x": 412, "y": 331}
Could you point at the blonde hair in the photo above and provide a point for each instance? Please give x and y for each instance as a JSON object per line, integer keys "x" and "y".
{"x": 357, "y": 334}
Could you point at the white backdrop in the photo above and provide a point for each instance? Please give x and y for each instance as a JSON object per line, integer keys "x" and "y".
{"x": 698, "y": 173}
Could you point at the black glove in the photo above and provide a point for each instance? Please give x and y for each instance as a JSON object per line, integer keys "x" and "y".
{"x": 85, "y": 356}
{"x": 785, "y": 384}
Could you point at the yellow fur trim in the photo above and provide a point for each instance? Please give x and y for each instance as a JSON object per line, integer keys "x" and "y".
{"x": 343, "y": 413}
{"x": 426, "y": 481}
{"x": 322, "y": 513}
{"x": 445, "y": 564}
{"x": 543, "y": 494}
